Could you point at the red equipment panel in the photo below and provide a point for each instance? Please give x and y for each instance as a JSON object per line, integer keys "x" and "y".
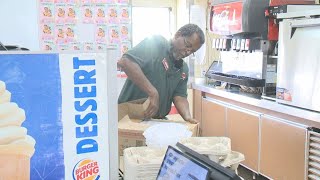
{"x": 226, "y": 18}
{"x": 273, "y": 31}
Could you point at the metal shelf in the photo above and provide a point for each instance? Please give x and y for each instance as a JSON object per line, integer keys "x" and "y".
{"x": 238, "y": 80}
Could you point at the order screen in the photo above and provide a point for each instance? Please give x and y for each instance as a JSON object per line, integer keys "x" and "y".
{"x": 177, "y": 166}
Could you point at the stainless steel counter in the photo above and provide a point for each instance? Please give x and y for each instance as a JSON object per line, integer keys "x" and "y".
{"x": 258, "y": 102}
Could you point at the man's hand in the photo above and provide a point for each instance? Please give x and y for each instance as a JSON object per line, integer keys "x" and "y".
{"x": 192, "y": 121}
{"x": 153, "y": 106}
{"x": 135, "y": 73}
{"x": 182, "y": 106}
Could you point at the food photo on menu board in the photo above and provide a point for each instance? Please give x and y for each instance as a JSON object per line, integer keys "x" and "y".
{"x": 125, "y": 46}
{"x": 60, "y": 34}
{"x": 71, "y": 33}
{"x": 101, "y": 33}
{"x": 112, "y": 17}
{"x": 100, "y": 13}
{"x": 60, "y": 13}
{"x": 72, "y": 13}
{"x": 47, "y": 31}
{"x": 87, "y": 14}
{"x": 113, "y": 33}
{"x": 125, "y": 31}
{"x": 125, "y": 14}
{"x": 46, "y": 12}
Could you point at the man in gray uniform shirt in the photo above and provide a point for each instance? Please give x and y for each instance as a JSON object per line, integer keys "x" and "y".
{"x": 155, "y": 69}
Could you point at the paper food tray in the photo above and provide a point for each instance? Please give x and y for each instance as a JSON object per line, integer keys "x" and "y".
{"x": 233, "y": 159}
{"x": 218, "y": 146}
{"x": 142, "y": 163}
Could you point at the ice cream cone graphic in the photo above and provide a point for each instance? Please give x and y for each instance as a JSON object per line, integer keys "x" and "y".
{"x": 16, "y": 147}
{"x": 4, "y": 94}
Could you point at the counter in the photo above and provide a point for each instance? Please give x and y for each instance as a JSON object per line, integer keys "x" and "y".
{"x": 252, "y": 100}
{"x": 274, "y": 138}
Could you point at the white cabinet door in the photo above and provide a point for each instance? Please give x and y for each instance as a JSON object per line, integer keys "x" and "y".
{"x": 213, "y": 118}
{"x": 283, "y": 149}
{"x": 243, "y": 130}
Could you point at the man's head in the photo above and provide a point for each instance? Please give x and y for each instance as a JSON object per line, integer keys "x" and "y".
{"x": 187, "y": 40}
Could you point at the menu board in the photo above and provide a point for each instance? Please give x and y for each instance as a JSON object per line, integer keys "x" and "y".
{"x": 85, "y": 25}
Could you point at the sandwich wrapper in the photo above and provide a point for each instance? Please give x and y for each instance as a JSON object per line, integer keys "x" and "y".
{"x": 165, "y": 134}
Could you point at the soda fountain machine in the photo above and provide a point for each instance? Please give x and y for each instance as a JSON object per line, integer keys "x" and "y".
{"x": 248, "y": 39}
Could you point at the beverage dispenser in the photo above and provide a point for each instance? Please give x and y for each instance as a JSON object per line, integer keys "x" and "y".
{"x": 248, "y": 41}
{"x": 244, "y": 46}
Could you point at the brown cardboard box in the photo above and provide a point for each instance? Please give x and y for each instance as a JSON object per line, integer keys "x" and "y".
{"x": 135, "y": 109}
{"x": 131, "y": 131}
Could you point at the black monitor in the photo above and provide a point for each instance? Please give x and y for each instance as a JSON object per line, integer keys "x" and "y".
{"x": 2, "y": 47}
{"x": 188, "y": 164}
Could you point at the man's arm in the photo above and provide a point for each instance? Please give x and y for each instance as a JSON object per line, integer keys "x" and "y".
{"x": 182, "y": 106}
{"x": 135, "y": 74}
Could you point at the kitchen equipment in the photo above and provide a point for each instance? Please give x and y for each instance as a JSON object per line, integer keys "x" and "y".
{"x": 250, "y": 32}
{"x": 238, "y": 71}
{"x": 299, "y": 59}
{"x": 228, "y": 17}
{"x": 244, "y": 55}
{"x": 283, "y": 6}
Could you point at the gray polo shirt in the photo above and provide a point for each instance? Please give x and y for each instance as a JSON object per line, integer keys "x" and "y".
{"x": 152, "y": 55}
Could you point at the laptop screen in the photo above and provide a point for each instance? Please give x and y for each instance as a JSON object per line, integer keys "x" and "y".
{"x": 178, "y": 166}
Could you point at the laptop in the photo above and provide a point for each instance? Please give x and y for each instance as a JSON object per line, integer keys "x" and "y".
{"x": 177, "y": 165}
{"x": 186, "y": 164}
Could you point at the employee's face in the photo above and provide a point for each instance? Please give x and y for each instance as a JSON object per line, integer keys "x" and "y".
{"x": 184, "y": 46}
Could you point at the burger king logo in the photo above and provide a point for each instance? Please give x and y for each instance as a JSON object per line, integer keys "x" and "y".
{"x": 86, "y": 169}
